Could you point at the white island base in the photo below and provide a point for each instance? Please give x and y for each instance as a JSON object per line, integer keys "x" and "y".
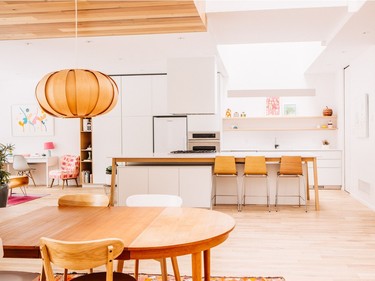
{"x": 192, "y": 183}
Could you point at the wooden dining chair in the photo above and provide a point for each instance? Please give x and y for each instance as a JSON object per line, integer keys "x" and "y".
{"x": 81, "y": 255}
{"x": 154, "y": 200}
{"x": 10, "y": 275}
{"x": 84, "y": 200}
{"x": 255, "y": 167}
{"x": 225, "y": 166}
{"x": 291, "y": 166}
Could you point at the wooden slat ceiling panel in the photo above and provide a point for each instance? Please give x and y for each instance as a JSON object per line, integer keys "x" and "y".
{"x": 56, "y": 19}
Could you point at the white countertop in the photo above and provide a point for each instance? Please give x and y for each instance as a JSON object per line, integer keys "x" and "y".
{"x": 278, "y": 150}
{"x": 238, "y": 154}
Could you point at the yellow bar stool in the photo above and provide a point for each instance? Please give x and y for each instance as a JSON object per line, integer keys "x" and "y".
{"x": 225, "y": 166}
{"x": 255, "y": 167}
{"x": 291, "y": 166}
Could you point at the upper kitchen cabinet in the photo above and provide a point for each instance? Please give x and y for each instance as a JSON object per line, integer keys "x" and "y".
{"x": 192, "y": 85}
{"x": 144, "y": 95}
{"x": 136, "y": 99}
{"x": 159, "y": 94}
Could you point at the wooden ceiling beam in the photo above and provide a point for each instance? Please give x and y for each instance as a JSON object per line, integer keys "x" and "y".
{"x": 53, "y": 19}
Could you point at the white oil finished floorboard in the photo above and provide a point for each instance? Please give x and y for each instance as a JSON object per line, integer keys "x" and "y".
{"x": 334, "y": 244}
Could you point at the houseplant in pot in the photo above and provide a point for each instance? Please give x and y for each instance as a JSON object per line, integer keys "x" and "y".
{"x": 5, "y": 151}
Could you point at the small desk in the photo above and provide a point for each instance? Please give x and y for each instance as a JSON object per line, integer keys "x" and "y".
{"x": 47, "y": 161}
{"x": 148, "y": 233}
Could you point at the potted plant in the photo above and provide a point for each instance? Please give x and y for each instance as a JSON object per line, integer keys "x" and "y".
{"x": 108, "y": 175}
{"x": 5, "y": 151}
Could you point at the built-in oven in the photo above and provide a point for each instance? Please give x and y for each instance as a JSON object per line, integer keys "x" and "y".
{"x": 204, "y": 141}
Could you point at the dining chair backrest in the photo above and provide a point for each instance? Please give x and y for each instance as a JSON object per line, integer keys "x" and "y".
{"x": 225, "y": 165}
{"x": 291, "y": 165}
{"x": 1, "y": 248}
{"x": 20, "y": 163}
{"x": 84, "y": 200}
{"x": 79, "y": 255}
{"x": 255, "y": 165}
{"x": 154, "y": 200}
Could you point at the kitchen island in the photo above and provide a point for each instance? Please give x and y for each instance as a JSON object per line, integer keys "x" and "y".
{"x": 204, "y": 161}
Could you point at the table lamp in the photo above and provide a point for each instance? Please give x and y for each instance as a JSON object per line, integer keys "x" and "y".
{"x": 48, "y": 146}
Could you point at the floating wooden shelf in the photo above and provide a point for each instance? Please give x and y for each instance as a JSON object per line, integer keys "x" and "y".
{"x": 280, "y": 123}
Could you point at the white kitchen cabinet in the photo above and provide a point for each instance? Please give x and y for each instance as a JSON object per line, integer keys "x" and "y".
{"x": 192, "y": 183}
{"x": 137, "y": 135}
{"x": 106, "y": 142}
{"x": 131, "y": 180}
{"x": 195, "y": 186}
{"x": 159, "y": 95}
{"x": 163, "y": 180}
{"x": 329, "y": 165}
{"x": 192, "y": 85}
{"x": 106, "y": 138}
{"x": 144, "y": 95}
{"x": 136, "y": 95}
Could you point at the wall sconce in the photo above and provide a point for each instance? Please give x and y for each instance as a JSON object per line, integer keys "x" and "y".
{"x": 48, "y": 146}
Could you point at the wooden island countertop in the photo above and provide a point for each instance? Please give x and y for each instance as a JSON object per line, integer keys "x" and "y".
{"x": 209, "y": 159}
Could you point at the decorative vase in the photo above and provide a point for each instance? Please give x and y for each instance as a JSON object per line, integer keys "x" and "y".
{"x": 327, "y": 111}
{"x": 4, "y": 188}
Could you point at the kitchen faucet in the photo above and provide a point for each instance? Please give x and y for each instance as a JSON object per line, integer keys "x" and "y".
{"x": 276, "y": 144}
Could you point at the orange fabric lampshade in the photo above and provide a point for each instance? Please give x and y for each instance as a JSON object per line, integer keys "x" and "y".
{"x": 76, "y": 93}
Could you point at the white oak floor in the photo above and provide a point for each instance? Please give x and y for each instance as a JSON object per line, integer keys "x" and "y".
{"x": 334, "y": 244}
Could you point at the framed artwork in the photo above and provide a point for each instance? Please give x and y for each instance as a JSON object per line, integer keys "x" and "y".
{"x": 273, "y": 106}
{"x": 31, "y": 120}
{"x": 290, "y": 109}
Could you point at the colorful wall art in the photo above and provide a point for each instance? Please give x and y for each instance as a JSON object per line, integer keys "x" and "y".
{"x": 31, "y": 120}
{"x": 273, "y": 106}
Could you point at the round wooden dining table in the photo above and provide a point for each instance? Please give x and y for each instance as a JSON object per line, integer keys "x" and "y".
{"x": 147, "y": 232}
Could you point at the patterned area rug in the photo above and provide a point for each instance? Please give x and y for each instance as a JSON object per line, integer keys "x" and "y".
{"x": 16, "y": 199}
{"x": 145, "y": 277}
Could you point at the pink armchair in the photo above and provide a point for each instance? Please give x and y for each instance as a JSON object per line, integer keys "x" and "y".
{"x": 69, "y": 169}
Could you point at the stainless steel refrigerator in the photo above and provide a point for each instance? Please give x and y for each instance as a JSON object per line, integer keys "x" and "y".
{"x": 170, "y": 133}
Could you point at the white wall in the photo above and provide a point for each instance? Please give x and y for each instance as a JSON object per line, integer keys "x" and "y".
{"x": 359, "y": 149}
{"x": 327, "y": 94}
{"x": 66, "y": 131}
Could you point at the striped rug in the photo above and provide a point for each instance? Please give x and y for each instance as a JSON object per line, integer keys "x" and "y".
{"x": 146, "y": 277}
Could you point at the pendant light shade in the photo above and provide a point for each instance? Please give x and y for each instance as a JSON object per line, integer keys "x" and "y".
{"x": 76, "y": 93}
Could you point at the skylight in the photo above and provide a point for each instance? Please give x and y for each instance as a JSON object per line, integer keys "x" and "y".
{"x": 213, "y": 6}
{"x": 265, "y": 66}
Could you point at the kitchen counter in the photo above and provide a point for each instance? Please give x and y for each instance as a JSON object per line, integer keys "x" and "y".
{"x": 208, "y": 159}
{"x": 279, "y": 150}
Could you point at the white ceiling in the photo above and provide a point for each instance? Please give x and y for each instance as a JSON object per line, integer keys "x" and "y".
{"x": 344, "y": 33}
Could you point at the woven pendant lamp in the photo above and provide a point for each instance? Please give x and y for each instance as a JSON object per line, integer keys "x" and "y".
{"x": 76, "y": 93}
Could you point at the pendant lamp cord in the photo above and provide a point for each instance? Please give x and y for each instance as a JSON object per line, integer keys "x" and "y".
{"x": 76, "y": 31}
